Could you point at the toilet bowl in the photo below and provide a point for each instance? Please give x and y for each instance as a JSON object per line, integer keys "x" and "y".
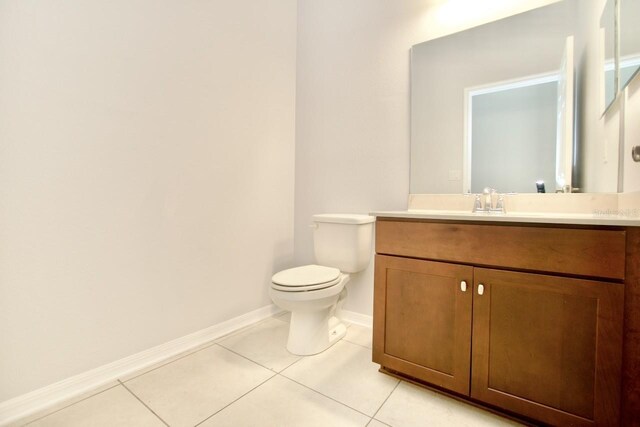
{"x": 315, "y": 293}
{"x": 315, "y": 304}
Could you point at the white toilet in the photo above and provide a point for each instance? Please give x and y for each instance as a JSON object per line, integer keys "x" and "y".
{"x": 315, "y": 293}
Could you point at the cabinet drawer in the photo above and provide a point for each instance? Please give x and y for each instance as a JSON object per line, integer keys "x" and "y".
{"x": 576, "y": 251}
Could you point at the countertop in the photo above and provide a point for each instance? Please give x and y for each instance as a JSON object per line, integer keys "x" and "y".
{"x": 625, "y": 218}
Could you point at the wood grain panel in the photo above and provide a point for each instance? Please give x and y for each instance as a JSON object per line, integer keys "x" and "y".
{"x": 574, "y": 251}
{"x": 548, "y": 347}
{"x": 631, "y": 352}
{"x": 426, "y": 302}
{"x": 422, "y": 320}
{"x": 542, "y": 347}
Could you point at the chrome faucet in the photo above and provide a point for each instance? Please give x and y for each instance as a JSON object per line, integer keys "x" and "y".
{"x": 489, "y": 201}
{"x": 488, "y": 196}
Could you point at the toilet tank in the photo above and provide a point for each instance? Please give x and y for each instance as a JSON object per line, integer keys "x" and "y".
{"x": 343, "y": 241}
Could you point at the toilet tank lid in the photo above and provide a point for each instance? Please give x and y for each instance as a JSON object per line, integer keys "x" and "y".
{"x": 344, "y": 218}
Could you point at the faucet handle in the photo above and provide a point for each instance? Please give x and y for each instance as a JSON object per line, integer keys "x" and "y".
{"x": 477, "y": 204}
{"x": 500, "y": 204}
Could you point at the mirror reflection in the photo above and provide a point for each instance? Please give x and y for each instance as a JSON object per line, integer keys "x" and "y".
{"x": 493, "y": 105}
{"x": 629, "y": 40}
{"x": 608, "y": 34}
{"x": 513, "y": 131}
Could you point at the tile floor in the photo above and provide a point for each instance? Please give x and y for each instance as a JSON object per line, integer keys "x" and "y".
{"x": 249, "y": 379}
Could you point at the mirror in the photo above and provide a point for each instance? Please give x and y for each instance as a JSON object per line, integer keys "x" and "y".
{"x": 608, "y": 35}
{"x": 629, "y": 40}
{"x": 485, "y": 105}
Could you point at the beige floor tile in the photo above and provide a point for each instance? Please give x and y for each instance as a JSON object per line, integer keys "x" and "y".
{"x": 191, "y": 389}
{"x": 359, "y": 335}
{"x": 154, "y": 366}
{"x": 410, "y": 405}
{"x": 212, "y": 379}
{"x": 245, "y": 328}
{"x": 185, "y": 353}
{"x": 265, "y": 343}
{"x": 285, "y": 316}
{"x": 111, "y": 408}
{"x": 281, "y": 402}
{"x": 345, "y": 373}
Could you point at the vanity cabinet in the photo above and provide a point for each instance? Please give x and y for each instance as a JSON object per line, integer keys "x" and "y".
{"x": 525, "y": 319}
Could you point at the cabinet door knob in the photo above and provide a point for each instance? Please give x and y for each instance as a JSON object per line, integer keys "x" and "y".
{"x": 463, "y": 286}
{"x": 480, "y": 289}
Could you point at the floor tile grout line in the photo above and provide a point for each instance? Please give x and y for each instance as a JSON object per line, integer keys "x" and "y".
{"x": 378, "y": 421}
{"x": 292, "y": 363}
{"x": 288, "y": 366}
{"x": 168, "y": 362}
{"x": 304, "y": 357}
{"x": 71, "y": 404}
{"x": 253, "y": 361}
{"x": 361, "y": 345}
{"x": 145, "y": 405}
{"x": 190, "y": 352}
{"x": 203, "y": 347}
{"x": 244, "y": 329}
{"x": 328, "y": 397}
{"x": 275, "y": 374}
{"x": 385, "y": 400}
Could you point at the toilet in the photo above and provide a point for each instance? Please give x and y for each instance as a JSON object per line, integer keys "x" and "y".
{"x": 315, "y": 293}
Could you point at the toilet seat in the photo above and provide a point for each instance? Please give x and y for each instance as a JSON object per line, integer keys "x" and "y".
{"x": 306, "y": 278}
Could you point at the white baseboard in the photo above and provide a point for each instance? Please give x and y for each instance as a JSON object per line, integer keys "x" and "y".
{"x": 27, "y": 404}
{"x": 357, "y": 318}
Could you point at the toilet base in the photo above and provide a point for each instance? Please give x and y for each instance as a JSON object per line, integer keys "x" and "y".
{"x": 315, "y": 323}
{"x": 314, "y": 332}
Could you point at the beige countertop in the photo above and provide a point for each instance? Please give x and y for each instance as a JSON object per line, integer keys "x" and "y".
{"x": 628, "y": 218}
{"x": 607, "y": 209}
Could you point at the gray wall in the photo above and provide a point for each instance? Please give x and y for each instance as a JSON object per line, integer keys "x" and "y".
{"x": 147, "y": 166}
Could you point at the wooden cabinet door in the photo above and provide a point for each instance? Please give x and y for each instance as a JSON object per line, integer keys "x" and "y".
{"x": 422, "y": 320}
{"x": 548, "y": 347}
